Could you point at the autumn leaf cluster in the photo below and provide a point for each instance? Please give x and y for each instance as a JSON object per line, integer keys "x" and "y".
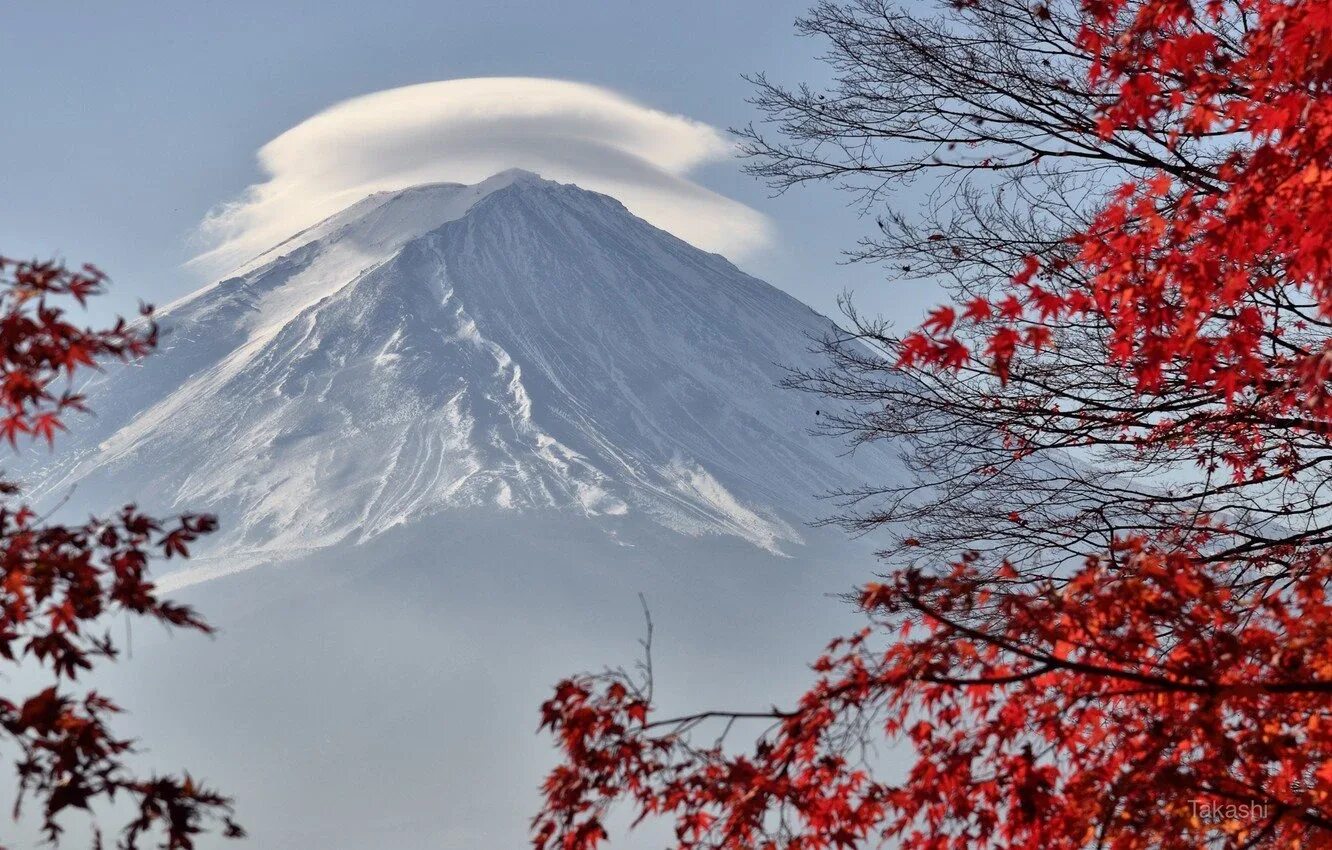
{"x": 60, "y": 583}
{"x": 1073, "y": 685}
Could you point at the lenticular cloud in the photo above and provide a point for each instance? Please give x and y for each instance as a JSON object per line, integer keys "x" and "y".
{"x": 465, "y": 130}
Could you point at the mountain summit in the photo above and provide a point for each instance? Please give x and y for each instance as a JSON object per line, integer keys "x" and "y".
{"x": 513, "y": 345}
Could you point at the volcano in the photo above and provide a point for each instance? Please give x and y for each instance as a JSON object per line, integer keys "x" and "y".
{"x": 454, "y": 434}
{"x": 514, "y": 345}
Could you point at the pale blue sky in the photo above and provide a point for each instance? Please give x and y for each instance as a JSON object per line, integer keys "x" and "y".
{"x": 126, "y": 122}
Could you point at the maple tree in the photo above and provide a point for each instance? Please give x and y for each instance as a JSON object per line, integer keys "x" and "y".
{"x": 59, "y": 582}
{"x": 1103, "y": 619}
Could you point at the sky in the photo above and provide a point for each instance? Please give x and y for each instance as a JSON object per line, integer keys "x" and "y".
{"x": 134, "y": 129}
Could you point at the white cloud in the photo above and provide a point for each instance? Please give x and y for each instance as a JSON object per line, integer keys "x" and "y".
{"x": 464, "y": 131}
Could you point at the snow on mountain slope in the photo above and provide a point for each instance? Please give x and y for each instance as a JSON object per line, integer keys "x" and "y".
{"x": 517, "y": 344}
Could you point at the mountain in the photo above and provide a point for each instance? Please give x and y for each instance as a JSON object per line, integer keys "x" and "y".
{"x": 516, "y": 345}
{"x": 462, "y": 429}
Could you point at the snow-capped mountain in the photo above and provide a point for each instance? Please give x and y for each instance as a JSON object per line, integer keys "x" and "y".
{"x": 517, "y": 344}
{"x": 473, "y": 424}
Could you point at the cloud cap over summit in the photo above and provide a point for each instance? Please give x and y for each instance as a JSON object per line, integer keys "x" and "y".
{"x": 466, "y": 129}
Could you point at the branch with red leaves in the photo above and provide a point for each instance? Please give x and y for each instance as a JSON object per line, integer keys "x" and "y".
{"x": 1106, "y": 706}
{"x": 1105, "y": 622}
{"x": 59, "y": 582}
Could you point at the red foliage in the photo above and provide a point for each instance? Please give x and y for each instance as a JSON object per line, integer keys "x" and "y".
{"x": 1160, "y": 695}
{"x": 58, "y": 581}
{"x": 1177, "y": 265}
{"x": 1107, "y": 709}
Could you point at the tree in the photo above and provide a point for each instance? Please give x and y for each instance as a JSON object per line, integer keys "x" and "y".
{"x": 1103, "y": 616}
{"x": 61, "y": 581}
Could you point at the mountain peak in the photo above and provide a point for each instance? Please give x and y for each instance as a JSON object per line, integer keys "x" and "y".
{"x": 517, "y": 175}
{"x": 385, "y": 220}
